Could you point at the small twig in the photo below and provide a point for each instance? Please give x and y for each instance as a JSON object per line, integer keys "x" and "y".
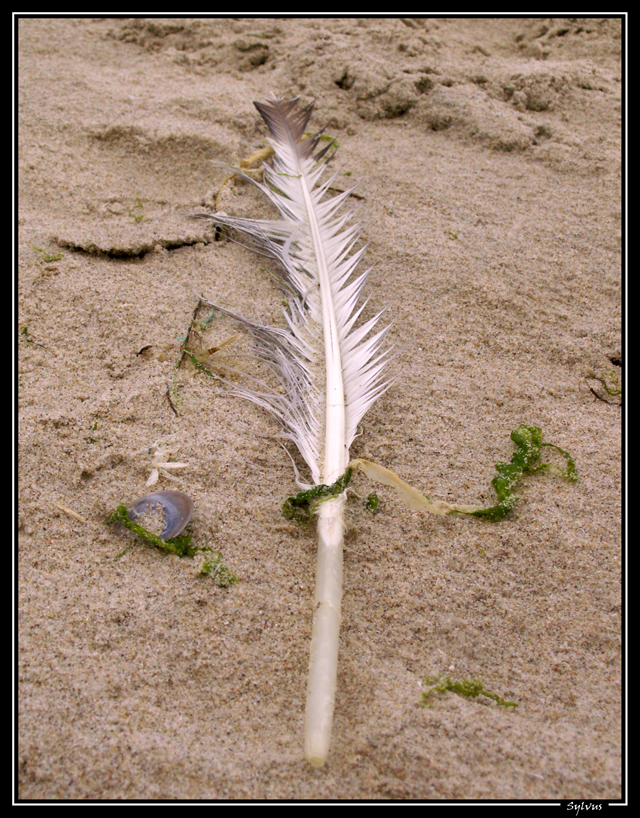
{"x": 183, "y": 354}
{"x": 185, "y": 343}
{"x": 70, "y": 512}
{"x": 173, "y": 408}
{"x": 596, "y": 395}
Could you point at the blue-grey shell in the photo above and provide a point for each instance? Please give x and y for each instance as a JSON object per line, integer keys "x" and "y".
{"x": 176, "y": 506}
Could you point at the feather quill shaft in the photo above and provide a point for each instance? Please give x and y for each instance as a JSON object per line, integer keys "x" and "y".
{"x": 330, "y": 371}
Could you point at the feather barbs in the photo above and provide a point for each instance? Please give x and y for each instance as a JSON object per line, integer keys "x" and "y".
{"x": 330, "y": 370}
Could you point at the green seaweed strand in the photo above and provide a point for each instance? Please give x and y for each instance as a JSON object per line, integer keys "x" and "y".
{"x": 198, "y": 365}
{"x": 213, "y": 564}
{"x": 176, "y": 545}
{"x": 470, "y": 688}
{"x": 301, "y": 506}
{"x": 528, "y": 439}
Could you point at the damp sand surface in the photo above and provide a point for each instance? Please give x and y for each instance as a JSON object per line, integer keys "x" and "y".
{"x": 486, "y": 154}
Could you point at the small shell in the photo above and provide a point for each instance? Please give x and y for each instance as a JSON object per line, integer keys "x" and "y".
{"x": 176, "y": 507}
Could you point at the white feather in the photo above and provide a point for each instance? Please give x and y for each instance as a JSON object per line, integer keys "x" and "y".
{"x": 330, "y": 369}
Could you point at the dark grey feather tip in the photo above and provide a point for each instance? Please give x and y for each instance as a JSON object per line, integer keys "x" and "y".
{"x": 281, "y": 115}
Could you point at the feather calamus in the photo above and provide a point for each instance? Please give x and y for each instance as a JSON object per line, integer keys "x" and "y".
{"x": 330, "y": 368}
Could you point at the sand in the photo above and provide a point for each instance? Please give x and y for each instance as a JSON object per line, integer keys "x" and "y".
{"x": 487, "y": 157}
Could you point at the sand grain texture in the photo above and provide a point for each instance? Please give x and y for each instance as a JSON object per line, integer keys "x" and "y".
{"x": 487, "y": 156}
